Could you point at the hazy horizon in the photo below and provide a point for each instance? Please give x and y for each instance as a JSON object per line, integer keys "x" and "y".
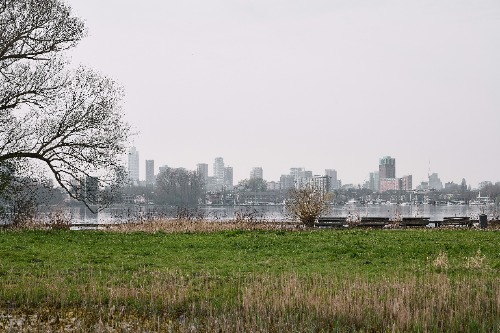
{"x": 315, "y": 84}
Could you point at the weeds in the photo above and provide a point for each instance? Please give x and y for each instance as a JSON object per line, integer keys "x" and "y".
{"x": 159, "y": 301}
{"x": 475, "y": 262}
{"x": 441, "y": 263}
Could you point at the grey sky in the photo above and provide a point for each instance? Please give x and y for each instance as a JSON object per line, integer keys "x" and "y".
{"x": 315, "y": 84}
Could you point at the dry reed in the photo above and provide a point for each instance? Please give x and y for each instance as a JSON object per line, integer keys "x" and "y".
{"x": 175, "y": 301}
{"x": 175, "y": 225}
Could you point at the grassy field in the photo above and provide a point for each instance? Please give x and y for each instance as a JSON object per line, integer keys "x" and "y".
{"x": 309, "y": 280}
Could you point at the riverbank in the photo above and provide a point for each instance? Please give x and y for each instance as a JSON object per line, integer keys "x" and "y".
{"x": 251, "y": 280}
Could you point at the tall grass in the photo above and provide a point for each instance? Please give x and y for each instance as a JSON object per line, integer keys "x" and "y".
{"x": 175, "y": 226}
{"x": 159, "y": 301}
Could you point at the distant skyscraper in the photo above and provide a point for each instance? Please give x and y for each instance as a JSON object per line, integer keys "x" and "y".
{"x": 287, "y": 182}
{"x": 202, "y": 169}
{"x": 297, "y": 173}
{"x": 150, "y": 172}
{"x": 257, "y": 172}
{"x": 228, "y": 177}
{"x": 133, "y": 165}
{"x": 332, "y": 173}
{"x": 405, "y": 183}
{"x": 374, "y": 181}
{"x": 387, "y": 167}
{"x": 435, "y": 182}
{"x": 219, "y": 168}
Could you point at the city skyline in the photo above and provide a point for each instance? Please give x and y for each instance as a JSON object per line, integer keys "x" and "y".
{"x": 316, "y": 84}
{"x": 384, "y": 163}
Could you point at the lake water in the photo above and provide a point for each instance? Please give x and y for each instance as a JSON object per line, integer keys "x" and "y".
{"x": 124, "y": 214}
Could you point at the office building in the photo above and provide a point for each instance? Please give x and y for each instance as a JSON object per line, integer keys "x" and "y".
{"x": 405, "y": 183}
{"x": 202, "y": 169}
{"x": 257, "y": 172}
{"x": 387, "y": 167}
{"x": 150, "y": 172}
{"x": 228, "y": 178}
{"x": 434, "y": 182}
{"x": 219, "y": 168}
{"x": 388, "y": 184}
{"x": 287, "y": 182}
{"x": 387, "y": 174}
{"x": 332, "y": 173}
{"x": 133, "y": 166}
{"x": 374, "y": 181}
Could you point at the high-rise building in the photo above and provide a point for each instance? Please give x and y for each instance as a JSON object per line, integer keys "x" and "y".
{"x": 387, "y": 174}
{"x": 150, "y": 172}
{"x": 133, "y": 166}
{"x": 405, "y": 183}
{"x": 297, "y": 172}
{"x": 257, "y": 172}
{"x": 219, "y": 168}
{"x": 388, "y": 184}
{"x": 374, "y": 181}
{"x": 202, "y": 169}
{"x": 228, "y": 178}
{"x": 287, "y": 182}
{"x": 387, "y": 167}
{"x": 332, "y": 173}
{"x": 434, "y": 182}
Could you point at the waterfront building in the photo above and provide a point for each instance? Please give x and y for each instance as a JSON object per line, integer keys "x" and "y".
{"x": 297, "y": 172}
{"x": 228, "y": 178}
{"x": 388, "y": 184}
{"x": 219, "y": 168}
{"x": 434, "y": 182}
{"x": 405, "y": 183}
{"x": 133, "y": 166}
{"x": 387, "y": 167}
{"x": 273, "y": 186}
{"x": 287, "y": 182}
{"x": 150, "y": 172}
{"x": 202, "y": 170}
{"x": 257, "y": 172}
{"x": 387, "y": 174}
{"x": 374, "y": 181}
{"x": 332, "y": 173}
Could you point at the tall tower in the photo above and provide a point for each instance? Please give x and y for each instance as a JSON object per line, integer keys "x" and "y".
{"x": 219, "y": 168}
{"x": 150, "y": 172}
{"x": 332, "y": 173}
{"x": 202, "y": 169}
{"x": 228, "y": 177}
{"x": 387, "y": 167}
{"x": 133, "y": 165}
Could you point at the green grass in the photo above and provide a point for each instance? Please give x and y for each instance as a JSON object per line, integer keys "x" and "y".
{"x": 243, "y": 274}
{"x": 326, "y": 252}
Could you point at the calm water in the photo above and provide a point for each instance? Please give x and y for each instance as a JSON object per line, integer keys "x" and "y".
{"x": 274, "y": 213}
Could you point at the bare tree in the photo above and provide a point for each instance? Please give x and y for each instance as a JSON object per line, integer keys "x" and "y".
{"x": 178, "y": 186}
{"x": 66, "y": 121}
{"x": 307, "y": 204}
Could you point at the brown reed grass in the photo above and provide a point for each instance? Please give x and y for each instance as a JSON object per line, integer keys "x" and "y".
{"x": 183, "y": 226}
{"x": 174, "y": 301}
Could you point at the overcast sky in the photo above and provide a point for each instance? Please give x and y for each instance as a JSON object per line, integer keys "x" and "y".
{"x": 320, "y": 84}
